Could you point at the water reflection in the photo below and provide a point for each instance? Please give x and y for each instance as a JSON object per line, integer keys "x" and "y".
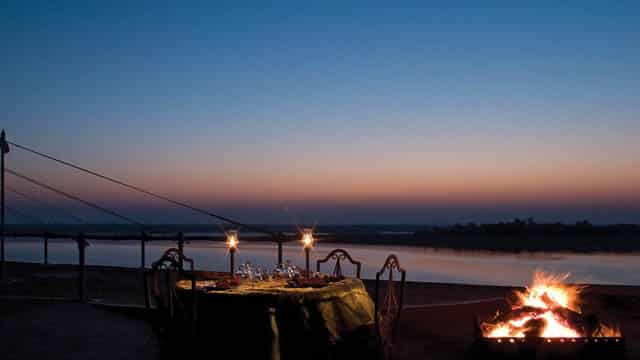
{"x": 422, "y": 264}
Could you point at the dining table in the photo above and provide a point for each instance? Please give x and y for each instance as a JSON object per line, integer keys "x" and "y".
{"x": 278, "y": 318}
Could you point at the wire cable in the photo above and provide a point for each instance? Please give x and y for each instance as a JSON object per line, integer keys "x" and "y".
{"x": 144, "y": 191}
{"x": 73, "y": 197}
{"x": 36, "y": 200}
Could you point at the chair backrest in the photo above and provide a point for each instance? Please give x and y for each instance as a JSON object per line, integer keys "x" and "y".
{"x": 161, "y": 279}
{"x": 389, "y": 307}
{"x": 339, "y": 255}
{"x": 174, "y": 259}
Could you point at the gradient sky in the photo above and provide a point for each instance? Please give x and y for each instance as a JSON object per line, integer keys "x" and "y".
{"x": 359, "y": 113}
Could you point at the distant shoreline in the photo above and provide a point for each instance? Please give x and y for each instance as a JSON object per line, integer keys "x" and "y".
{"x": 506, "y": 237}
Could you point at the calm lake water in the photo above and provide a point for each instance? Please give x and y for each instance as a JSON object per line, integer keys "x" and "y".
{"x": 422, "y": 264}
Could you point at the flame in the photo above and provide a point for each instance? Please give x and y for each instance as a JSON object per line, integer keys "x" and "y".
{"x": 232, "y": 239}
{"x": 307, "y": 238}
{"x": 549, "y": 308}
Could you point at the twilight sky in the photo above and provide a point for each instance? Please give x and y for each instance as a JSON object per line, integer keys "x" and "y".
{"x": 334, "y": 113}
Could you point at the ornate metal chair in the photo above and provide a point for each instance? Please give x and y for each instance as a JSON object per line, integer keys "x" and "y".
{"x": 171, "y": 315}
{"x": 389, "y": 307}
{"x": 339, "y": 255}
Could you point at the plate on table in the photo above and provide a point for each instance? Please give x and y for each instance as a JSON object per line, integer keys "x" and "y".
{"x": 222, "y": 285}
{"x": 306, "y": 283}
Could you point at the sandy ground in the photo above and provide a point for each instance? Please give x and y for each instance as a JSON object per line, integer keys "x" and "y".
{"x": 437, "y": 322}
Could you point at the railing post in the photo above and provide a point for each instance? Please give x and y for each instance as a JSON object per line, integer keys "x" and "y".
{"x": 143, "y": 254}
{"x": 181, "y": 246}
{"x": 46, "y": 248}
{"x": 4, "y": 148}
{"x": 279, "y": 239}
{"x": 143, "y": 265}
{"x": 82, "y": 278}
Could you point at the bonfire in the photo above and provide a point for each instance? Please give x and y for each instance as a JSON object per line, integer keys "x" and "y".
{"x": 549, "y": 308}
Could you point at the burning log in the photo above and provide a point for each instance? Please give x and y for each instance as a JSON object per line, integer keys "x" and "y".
{"x": 548, "y": 310}
{"x": 545, "y": 322}
{"x": 534, "y": 327}
{"x": 548, "y": 301}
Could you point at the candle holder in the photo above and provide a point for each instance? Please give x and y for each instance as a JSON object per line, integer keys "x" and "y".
{"x": 307, "y": 242}
{"x": 232, "y": 244}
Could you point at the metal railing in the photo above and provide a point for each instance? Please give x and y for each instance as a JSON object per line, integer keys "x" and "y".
{"x": 277, "y": 237}
{"x": 82, "y": 239}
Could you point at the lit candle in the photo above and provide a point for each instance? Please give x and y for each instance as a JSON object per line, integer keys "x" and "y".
{"x": 232, "y": 244}
{"x": 307, "y": 241}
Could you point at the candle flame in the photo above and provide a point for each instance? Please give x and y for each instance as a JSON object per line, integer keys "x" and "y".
{"x": 307, "y": 238}
{"x": 232, "y": 239}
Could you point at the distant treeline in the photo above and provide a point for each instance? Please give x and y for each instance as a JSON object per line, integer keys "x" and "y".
{"x": 513, "y": 236}
{"x": 520, "y": 236}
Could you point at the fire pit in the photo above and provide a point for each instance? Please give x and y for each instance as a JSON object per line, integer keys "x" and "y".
{"x": 546, "y": 322}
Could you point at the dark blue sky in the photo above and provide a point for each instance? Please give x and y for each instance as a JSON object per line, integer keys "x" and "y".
{"x": 339, "y": 112}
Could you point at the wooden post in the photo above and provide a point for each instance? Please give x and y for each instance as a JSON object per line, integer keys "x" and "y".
{"x": 143, "y": 265}
{"x": 82, "y": 278}
{"x": 4, "y": 148}
{"x": 181, "y": 246}
{"x": 279, "y": 240}
{"x": 145, "y": 291}
{"x": 143, "y": 255}
{"x": 46, "y": 248}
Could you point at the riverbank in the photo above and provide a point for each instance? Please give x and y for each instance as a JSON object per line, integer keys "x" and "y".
{"x": 437, "y": 322}
{"x": 505, "y": 237}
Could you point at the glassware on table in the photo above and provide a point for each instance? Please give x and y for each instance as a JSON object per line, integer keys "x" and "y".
{"x": 250, "y": 271}
{"x": 281, "y": 272}
{"x": 259, "y": 274}
{"x": 284, "y": 270}
{"x": 245, "y": 271}
{"x": 292, "y": 270}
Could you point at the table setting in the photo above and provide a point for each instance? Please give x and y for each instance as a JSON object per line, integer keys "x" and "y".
{"x": 293, "y": 308}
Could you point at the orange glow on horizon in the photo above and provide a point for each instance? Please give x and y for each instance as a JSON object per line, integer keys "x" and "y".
{"x": 402, "y": 191}
{"x": 411, "y": 179}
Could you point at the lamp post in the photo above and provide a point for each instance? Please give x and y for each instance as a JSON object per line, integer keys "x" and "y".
{"x": 232, "y": 244}
{"x": 307, "y": 242}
